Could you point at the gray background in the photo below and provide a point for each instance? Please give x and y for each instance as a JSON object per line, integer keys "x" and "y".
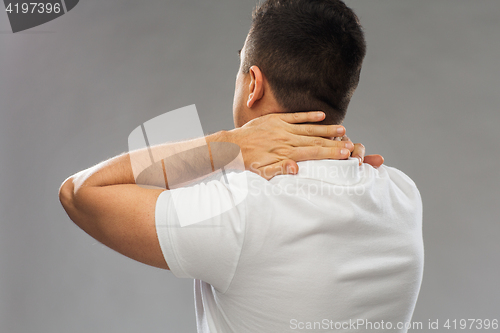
{"x": 73, "y": 89}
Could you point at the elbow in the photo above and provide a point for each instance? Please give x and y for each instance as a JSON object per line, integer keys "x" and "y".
{"x": 66, "y": 193}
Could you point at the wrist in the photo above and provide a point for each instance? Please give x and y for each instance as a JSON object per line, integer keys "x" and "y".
{"x": 221, "y": 136}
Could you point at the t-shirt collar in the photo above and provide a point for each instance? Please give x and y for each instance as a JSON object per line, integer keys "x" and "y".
{"x": 339, "y": 172}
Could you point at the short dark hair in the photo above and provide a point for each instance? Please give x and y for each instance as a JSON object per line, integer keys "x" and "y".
{"x": 310, "y": 51}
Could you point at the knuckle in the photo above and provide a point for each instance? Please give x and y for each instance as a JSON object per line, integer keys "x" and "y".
{"x": 282, "y": 140}
{"x": 317, "y": 142}
{"x": 284, "y": 151}
{"x": 349, "y": 145}
{"x": 271, "y": 118}
{"x": 309, "y": 129}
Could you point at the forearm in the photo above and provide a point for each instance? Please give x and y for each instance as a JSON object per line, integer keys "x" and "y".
{"x": 161, "y": 165}
{"x": 105, "y": 201}
{"x": 269, "y": 145}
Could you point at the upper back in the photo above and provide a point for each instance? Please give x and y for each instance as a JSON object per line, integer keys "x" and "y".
{"x": 336, "y": 242}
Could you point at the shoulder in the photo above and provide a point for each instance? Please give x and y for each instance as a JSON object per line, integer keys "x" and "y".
{"x": 398, "y": 179}
{"x": 400, "y": 190}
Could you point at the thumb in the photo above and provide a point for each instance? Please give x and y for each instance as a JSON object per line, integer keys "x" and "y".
{"x": 285, "y": 167}
{"x": 374, "y": 160}
{"x": 290, "y": 167}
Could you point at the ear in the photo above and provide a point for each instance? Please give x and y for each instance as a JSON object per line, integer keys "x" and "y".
{"x": 256, "y": 86}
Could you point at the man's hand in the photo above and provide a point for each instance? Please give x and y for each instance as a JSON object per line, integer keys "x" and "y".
{"x": 359, "y": 152}
{"x": 272, "y": 144}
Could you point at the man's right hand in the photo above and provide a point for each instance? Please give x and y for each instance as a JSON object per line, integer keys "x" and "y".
{"x": 272, "y": 144}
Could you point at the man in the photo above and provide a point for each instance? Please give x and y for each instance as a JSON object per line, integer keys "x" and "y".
{"x": 337, "y": 245}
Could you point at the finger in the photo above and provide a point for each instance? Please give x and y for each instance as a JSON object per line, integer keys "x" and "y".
{"x": 326, "y": 131}
{"x": 285, "y": 167}
{"x": 319, "y": 153}
{"x": 305, "y": 141}
{"x": 374, "y": 160}
{"x": 341, "y": 138}
{"x": 302, "y": 117}
{"x": 359, "y": 152}
{"x": 348, "y": 143}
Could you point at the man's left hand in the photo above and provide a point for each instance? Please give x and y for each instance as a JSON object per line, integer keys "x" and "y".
{"x": 272, "y": 145}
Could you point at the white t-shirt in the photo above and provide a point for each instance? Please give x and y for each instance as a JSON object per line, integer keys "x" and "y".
{"x": 337, "y": 247}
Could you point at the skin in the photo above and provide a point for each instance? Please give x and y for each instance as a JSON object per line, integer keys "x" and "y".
{"x": 107, "y": 203}
{"x": 254, "y": 98}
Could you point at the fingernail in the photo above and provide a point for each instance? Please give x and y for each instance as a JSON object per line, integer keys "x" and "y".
{"x": 349, "y": 145}
{"x": 340, "y": 130}
{"x": 319, "y": 114}
{"x": 344, "y": 151}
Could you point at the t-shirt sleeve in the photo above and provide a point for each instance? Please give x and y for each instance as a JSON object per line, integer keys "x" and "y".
{"x": 201, "y": 230}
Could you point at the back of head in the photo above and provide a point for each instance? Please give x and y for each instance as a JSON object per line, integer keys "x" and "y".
{"x": 310, "y": 51}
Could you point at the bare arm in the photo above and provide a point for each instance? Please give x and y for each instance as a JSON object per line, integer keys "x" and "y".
{"x": 107, "y": 203}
